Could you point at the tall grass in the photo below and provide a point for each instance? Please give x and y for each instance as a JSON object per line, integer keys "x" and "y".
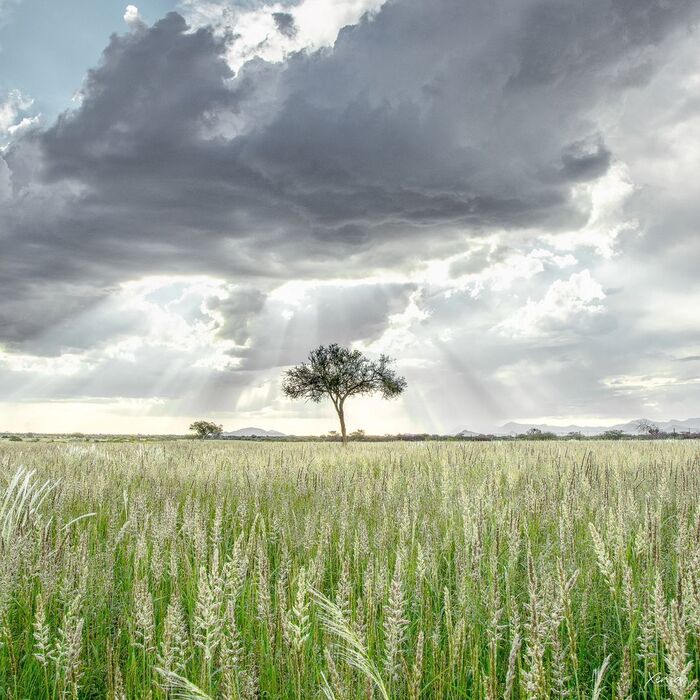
{"x": 250, "y": 570}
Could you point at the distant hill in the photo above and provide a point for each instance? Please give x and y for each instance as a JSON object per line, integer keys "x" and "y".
{"x": 514, "y": 428}
{"x": 689, "y": 425}
{"x": 252, "y": 432}
{"x": 467, "y": 433}
{"x": 680, "y": 426}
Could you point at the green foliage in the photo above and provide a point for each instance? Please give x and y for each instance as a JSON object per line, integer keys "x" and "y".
{"x": 206, "y": 429}
{"x": 338, "y": 373}
{"x": 427, "y": 570}
{"x": 537, "y": 434}
{"x": 613, "y": 435}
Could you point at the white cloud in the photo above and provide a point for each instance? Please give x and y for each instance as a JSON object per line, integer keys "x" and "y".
{"x": 320, "y": 20}
{"x": 5, "y": 180}
{"x": 400, "y": 338}
{"x": 11, "y": 112}
{"x": 177, "y": 316}
{"x": 492, "y": 266}
{"x": 501, "y": 276}
{"x": 132, "y": 18}
{"x": 565, "y": 303}
{"x": 560, "y": 261}
{"x": 641, "y": 383}
{"x": 605, "y": 199}
{"x": 165, "y": 314}
{"x": 316, "y": 22}
{"x": 24, "y": 124}
{"x": 68, "y": 364}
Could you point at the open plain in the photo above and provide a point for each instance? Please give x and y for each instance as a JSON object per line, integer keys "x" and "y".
{"x": 395, "y": 570}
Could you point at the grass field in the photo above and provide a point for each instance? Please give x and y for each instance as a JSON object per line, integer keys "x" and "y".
{"x": 431, "y": 570}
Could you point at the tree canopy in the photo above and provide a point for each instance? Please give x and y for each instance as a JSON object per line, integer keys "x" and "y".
{"x": 206, "y": 429}
{"x": 338, "y": 373}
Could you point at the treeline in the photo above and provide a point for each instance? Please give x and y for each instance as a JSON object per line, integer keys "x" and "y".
{"x": 359, "y": 436}
{"x": 533, "y": 434}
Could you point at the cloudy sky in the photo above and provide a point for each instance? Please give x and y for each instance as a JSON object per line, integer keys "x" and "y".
{"x": 502, "y": 194}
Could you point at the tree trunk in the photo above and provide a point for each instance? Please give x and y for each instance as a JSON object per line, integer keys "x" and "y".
{"x": 343, "y": 432}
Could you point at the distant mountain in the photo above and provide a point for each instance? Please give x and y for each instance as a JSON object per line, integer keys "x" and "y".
{"x": 689, "y": 424}
{"x": 514, "y": 428}
{"x": 252, "y": 432}
{"x": 680, "y": 426}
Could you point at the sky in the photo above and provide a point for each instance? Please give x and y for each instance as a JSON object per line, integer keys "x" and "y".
{"x": 501, "y": 194}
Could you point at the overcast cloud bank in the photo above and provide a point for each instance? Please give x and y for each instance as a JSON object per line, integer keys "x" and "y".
{"x": 502, "y": 195}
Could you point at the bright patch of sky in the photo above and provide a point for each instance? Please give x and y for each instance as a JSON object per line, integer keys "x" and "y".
{"x": 46, "y": 47}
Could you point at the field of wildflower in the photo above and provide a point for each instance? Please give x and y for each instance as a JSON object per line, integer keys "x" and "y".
{"x": 398, "y": 570}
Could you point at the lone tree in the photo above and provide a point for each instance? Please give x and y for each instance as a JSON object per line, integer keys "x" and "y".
{"x": 206, "y": 429}
{"x": 646, "y": 427}
{"x": 339, "y": 373}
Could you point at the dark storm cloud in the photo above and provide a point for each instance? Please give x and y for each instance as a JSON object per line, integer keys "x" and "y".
{"x": 150, "y": 93}
{"x": 51, "y": 320}
{"x": 285, "y": 23}
{"x": 284, "y": 333}
{"x": 428, "y": 120}
{"x": 237, "y": 311}
{"x": 586, "y": 159}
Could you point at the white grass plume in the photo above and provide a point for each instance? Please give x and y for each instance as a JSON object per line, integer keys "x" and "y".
{"x": 20, "y": 506}
{"x": 598, "y": 687}
{"x": 349, "y": 646}
{"x": 180, "y": 688}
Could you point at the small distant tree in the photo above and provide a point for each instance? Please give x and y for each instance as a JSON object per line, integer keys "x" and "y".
{"x": 646, "y": 427}
{"x": 358, "y": 434}
{"x": 339, "y": 373}
{"x": 206, "y": 429}
{"x": 537, "y": 434}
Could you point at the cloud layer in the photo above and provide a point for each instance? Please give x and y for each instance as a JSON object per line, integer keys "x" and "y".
{"x": 486, "y": 190}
